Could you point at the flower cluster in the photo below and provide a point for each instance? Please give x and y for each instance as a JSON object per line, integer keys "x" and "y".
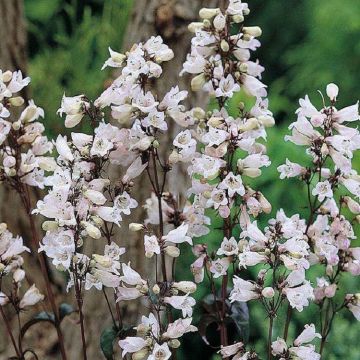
{"x": 24, "y": 149}
{"x": 11, "y": 263}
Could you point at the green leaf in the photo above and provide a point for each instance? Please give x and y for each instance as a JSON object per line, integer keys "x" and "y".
{"x": 40, "y": 317}
{"x": 107, "y": 339}
{"x": 65, "y": 310}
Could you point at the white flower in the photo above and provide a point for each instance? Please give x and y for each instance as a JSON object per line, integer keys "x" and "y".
{"x": 323, "y": 190}
{"x": 151, "y": 245}
{"x": 219, "y": 267}
{"x": 160, "y": 352}
{"x": 278, "y": 347}
{"x": 183, "y": 303}
{"x": 243, "y": 290}
{"x": 131, "y": 344}
{"x": 307, "y": 335}
{"x": 116, "y": 59}
{"x": 63, "y": 148}
{"x": 233, "y": 184}
{"x": 299, "y": 297}
{"x": 130, "y": 277}
{"x": 178, "y": 328}
{"x": 290, "y": 169}
{"x": 155, "y": 119}
{"x": 178, "y": 235}
{"x": 31, "y": 297}
{"x": 227, "y": 87}
{"x": 228, "y": 247}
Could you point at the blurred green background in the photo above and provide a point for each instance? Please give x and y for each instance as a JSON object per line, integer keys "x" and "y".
{"x": 306, "y": 44}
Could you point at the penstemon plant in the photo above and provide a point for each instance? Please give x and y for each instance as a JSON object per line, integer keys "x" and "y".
{"x": 91, "y": 181}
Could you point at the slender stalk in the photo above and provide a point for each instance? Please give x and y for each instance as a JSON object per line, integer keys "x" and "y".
{"x": 8, "y": 328}
{"x": 44, "y": 271}
{"x": 288, "y": 320}
{"x": 79, "y": 301}
{"x": 271, "y": 323}
{"x": 20, "y": 339}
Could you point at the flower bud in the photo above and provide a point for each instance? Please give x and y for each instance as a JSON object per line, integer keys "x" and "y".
{"x": 238, "y": 19}
{"x": 332, "y": 91}
{"x": 19, "y": 275}
{"x": 208, "y": 13}
{"x": 31, "y": 297}
{"x": 198, "y": 82}
{"x": 265, "y": 204}
{"x": 98, "y": 221}
{"x": 224, "y": 46}
{"x": 172, "y": 251}
{"x": 6, "y": 76}
{"x": 174, "y": 343}
{"x": 330, "y": 290}
{"x": 136, "y": 227}
{"x": 219, "y": 22}
{"x": 250, "y": 124}
{"x": 16, "y": 101}
{"x": 11, "y": 172}
{"x": 252, "y": 172}
{"x": 329, "y": 270}
{"x": 195, "y": 26}
{"x": 2, "y": 267}
{"x": 91, "y": 230}
{"x": 102, "y": 260}
{"x": 142, "y": 330}
{"x": 140, "y": 355}
{"x": 156, "y": 289}
{"x": 16, "y": 125}
{"x": 49, "y": 225}
{"x": 252, "y": 30}
{"x": 353, "y": 206}
{"x": 3, "y": 227}
{"x": 156, "y": 144}
{"x": 266, "y": 120}
{"x": 198, "y": 112}
{"x": 185, "y": 286}
{"x": 268, "y": 292}
{"x": 243, "y": 67}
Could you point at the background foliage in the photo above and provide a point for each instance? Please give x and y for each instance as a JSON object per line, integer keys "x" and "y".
{"x": 306, "y": 44}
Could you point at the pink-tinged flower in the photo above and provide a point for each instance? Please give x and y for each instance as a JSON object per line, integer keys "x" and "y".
{"x": 290, "y": 169}
{"x": 251, "y": 258}
{"x": 160, "y": 352}
{"x": 299, "y": 297}
{"x": 307, "y": 335}
{"x": 63, "y": 148}
{"x": 244, "y": 290}
{"x": 131, "y": 344}
{"x": 131, "y": 277}
{"x": 257, "y": 238}
{"x": 233, "y": 184}
{"x": 31, "y": 297}
{"x": 278, "y": 347}
{"x": 228, "y": 247}
{"x": 322, "y": 190}
{"x": 219, "y": 267}
{"x": 332, "y": 91}
{"x": 304, "y": 353}
{"x": 124, "y": 293}
{"x": 184, "y": 303}
{"x": 231, "y": 350}
{"x": 354, "y": 304}
{"x": 178, "y": 328}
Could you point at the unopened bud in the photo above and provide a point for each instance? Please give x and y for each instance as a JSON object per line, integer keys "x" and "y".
{"x": 252, "y": 172}
{"x": 224, "y": 46}
{"x": 16, "y": 101}
{"x": 238, "y": 19}
{"x": 19, "y": 275}
{"x": 140, "y": 355}
{"x": 199, "y": 113}
{"x": 332, "y": 91}
{"x": 243, "y": 67}
{"x": 172, "y": 251}
{"x": 156, "y": 144}
{"x": 268, "y": 292}
{"x": 185, "y": 286}
{"x": 156, "y": 289}
{"x": 16, "y": 125}
{"x": 198, "y": 82}
{"x": 91, "y": 230}
{"x": 250, "y": 124}
{"x": 174, "y": 343}
{"x": 102, "y": 260}
{"x": 49, "y": 225}
{"x": 136, "y": 227}
{"x": 252, "y": 30}
{"x": 219, "y": 22}
{"x": 6, "y": 76}
{"x": 208, "y": 13}
{"x": 195, "y": 26}
{"x": 266, "y": 120}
